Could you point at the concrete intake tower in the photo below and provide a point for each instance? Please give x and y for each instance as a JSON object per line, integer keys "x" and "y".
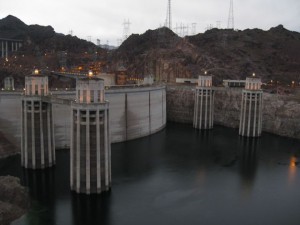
{"x": 251, "y": 108}
{"x": 37, "y": 142}
{"x": 90, "y": 163}
{"x": 204, "y": 104}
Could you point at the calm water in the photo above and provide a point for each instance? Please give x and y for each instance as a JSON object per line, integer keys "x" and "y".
{"x": 178, "y": 176}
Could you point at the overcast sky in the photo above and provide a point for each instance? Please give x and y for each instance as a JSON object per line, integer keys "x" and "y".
{"x": 103, "y": 19}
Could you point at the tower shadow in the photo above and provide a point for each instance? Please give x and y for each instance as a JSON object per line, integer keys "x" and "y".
{"x": 91, "y": 209}
{"x": 41, "y": 186}
{"x": 248, "y": 148}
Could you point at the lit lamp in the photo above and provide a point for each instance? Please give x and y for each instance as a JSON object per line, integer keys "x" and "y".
{"x": 90, "y": 74}
{"x": 253, "y": 74}
{"x": 205, "y": 72}
{"x": 36, "y": 72}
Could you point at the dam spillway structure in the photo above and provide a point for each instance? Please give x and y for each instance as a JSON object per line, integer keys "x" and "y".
{"x": 204, "y": 104}
{"x": 37, "y": 135}
{"x": 251, "y": 108}
{"x": 90, "y": 154}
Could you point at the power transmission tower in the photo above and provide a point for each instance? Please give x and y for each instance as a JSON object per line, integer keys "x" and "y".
{"x": 168, "y": 22}
{"x": 98, "y": 42}
{"x": 119, "y": 41}
{"x": 89, "y": 38}
{"x": 126, "y": 30}
{"x": 194, "y": 28}
{"x": 230, "y": 24}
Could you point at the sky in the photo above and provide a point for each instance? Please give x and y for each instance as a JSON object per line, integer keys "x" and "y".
{"x": 104, "y": 19}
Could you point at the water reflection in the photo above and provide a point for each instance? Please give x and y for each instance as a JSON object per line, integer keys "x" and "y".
{"x": 206, "y": 136}
{"x": 174, "y": 177}
{"x": 248, "y": 161}
{"x": 292, "y": 169}
{"x": 41, "y": 186}
{"x": 91, "y": 209}
{"x": 133, "y": 163}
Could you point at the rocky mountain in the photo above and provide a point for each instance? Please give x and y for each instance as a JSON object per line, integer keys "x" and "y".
{"x": 42, "y": 36}
{"x": 43, "y": 48}
{"x": 226, "y": 54}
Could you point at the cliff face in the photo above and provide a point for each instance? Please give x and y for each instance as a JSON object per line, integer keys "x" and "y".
{"x": 281, "y": 114}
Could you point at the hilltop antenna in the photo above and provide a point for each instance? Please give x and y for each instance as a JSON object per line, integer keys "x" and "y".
{"x": 168, "y": 22}
{"x": 126, "y": 31}
{"x": 230, "y": 24}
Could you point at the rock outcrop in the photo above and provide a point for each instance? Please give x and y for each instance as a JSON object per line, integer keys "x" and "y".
{"x": 14, "y": 200}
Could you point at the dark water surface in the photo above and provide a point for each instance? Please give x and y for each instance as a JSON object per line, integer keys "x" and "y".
{"x": 178, "y": 176}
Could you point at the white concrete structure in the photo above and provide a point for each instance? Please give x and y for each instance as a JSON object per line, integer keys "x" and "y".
{"x": 36, "y": 85}
{"x": 90, "y": 157}
{"x": 37, "y": 138}
{"x": 251, "y": 108}
{"x": 134, "y": 112}
{"x": 109, "y": 79}
{"x": 148, "y": 80}
{"x": 9, "y": 84}
{"x": 204, "y": 104}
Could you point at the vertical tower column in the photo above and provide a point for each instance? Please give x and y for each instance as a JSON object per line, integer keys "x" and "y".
{"x": 251, "y": 109}
{"x": 90, "y": 157}
{"x": 6, "y": 49}
{"x": 38, "y": 149}
{"x": 204, "y": 104}
{"x": 2, "y": 49}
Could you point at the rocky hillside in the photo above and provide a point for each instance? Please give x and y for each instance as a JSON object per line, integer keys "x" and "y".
{"x": 43, "y": 37}
{"x": 43, "y": 48}
{"x": 226, "y": 54}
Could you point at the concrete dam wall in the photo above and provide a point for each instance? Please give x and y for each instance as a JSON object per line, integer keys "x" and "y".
{"x": 281, "y": 113}
{"x": 134, "y": 112}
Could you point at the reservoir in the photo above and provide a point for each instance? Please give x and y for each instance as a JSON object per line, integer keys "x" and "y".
{"x": 177, "y": 176}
